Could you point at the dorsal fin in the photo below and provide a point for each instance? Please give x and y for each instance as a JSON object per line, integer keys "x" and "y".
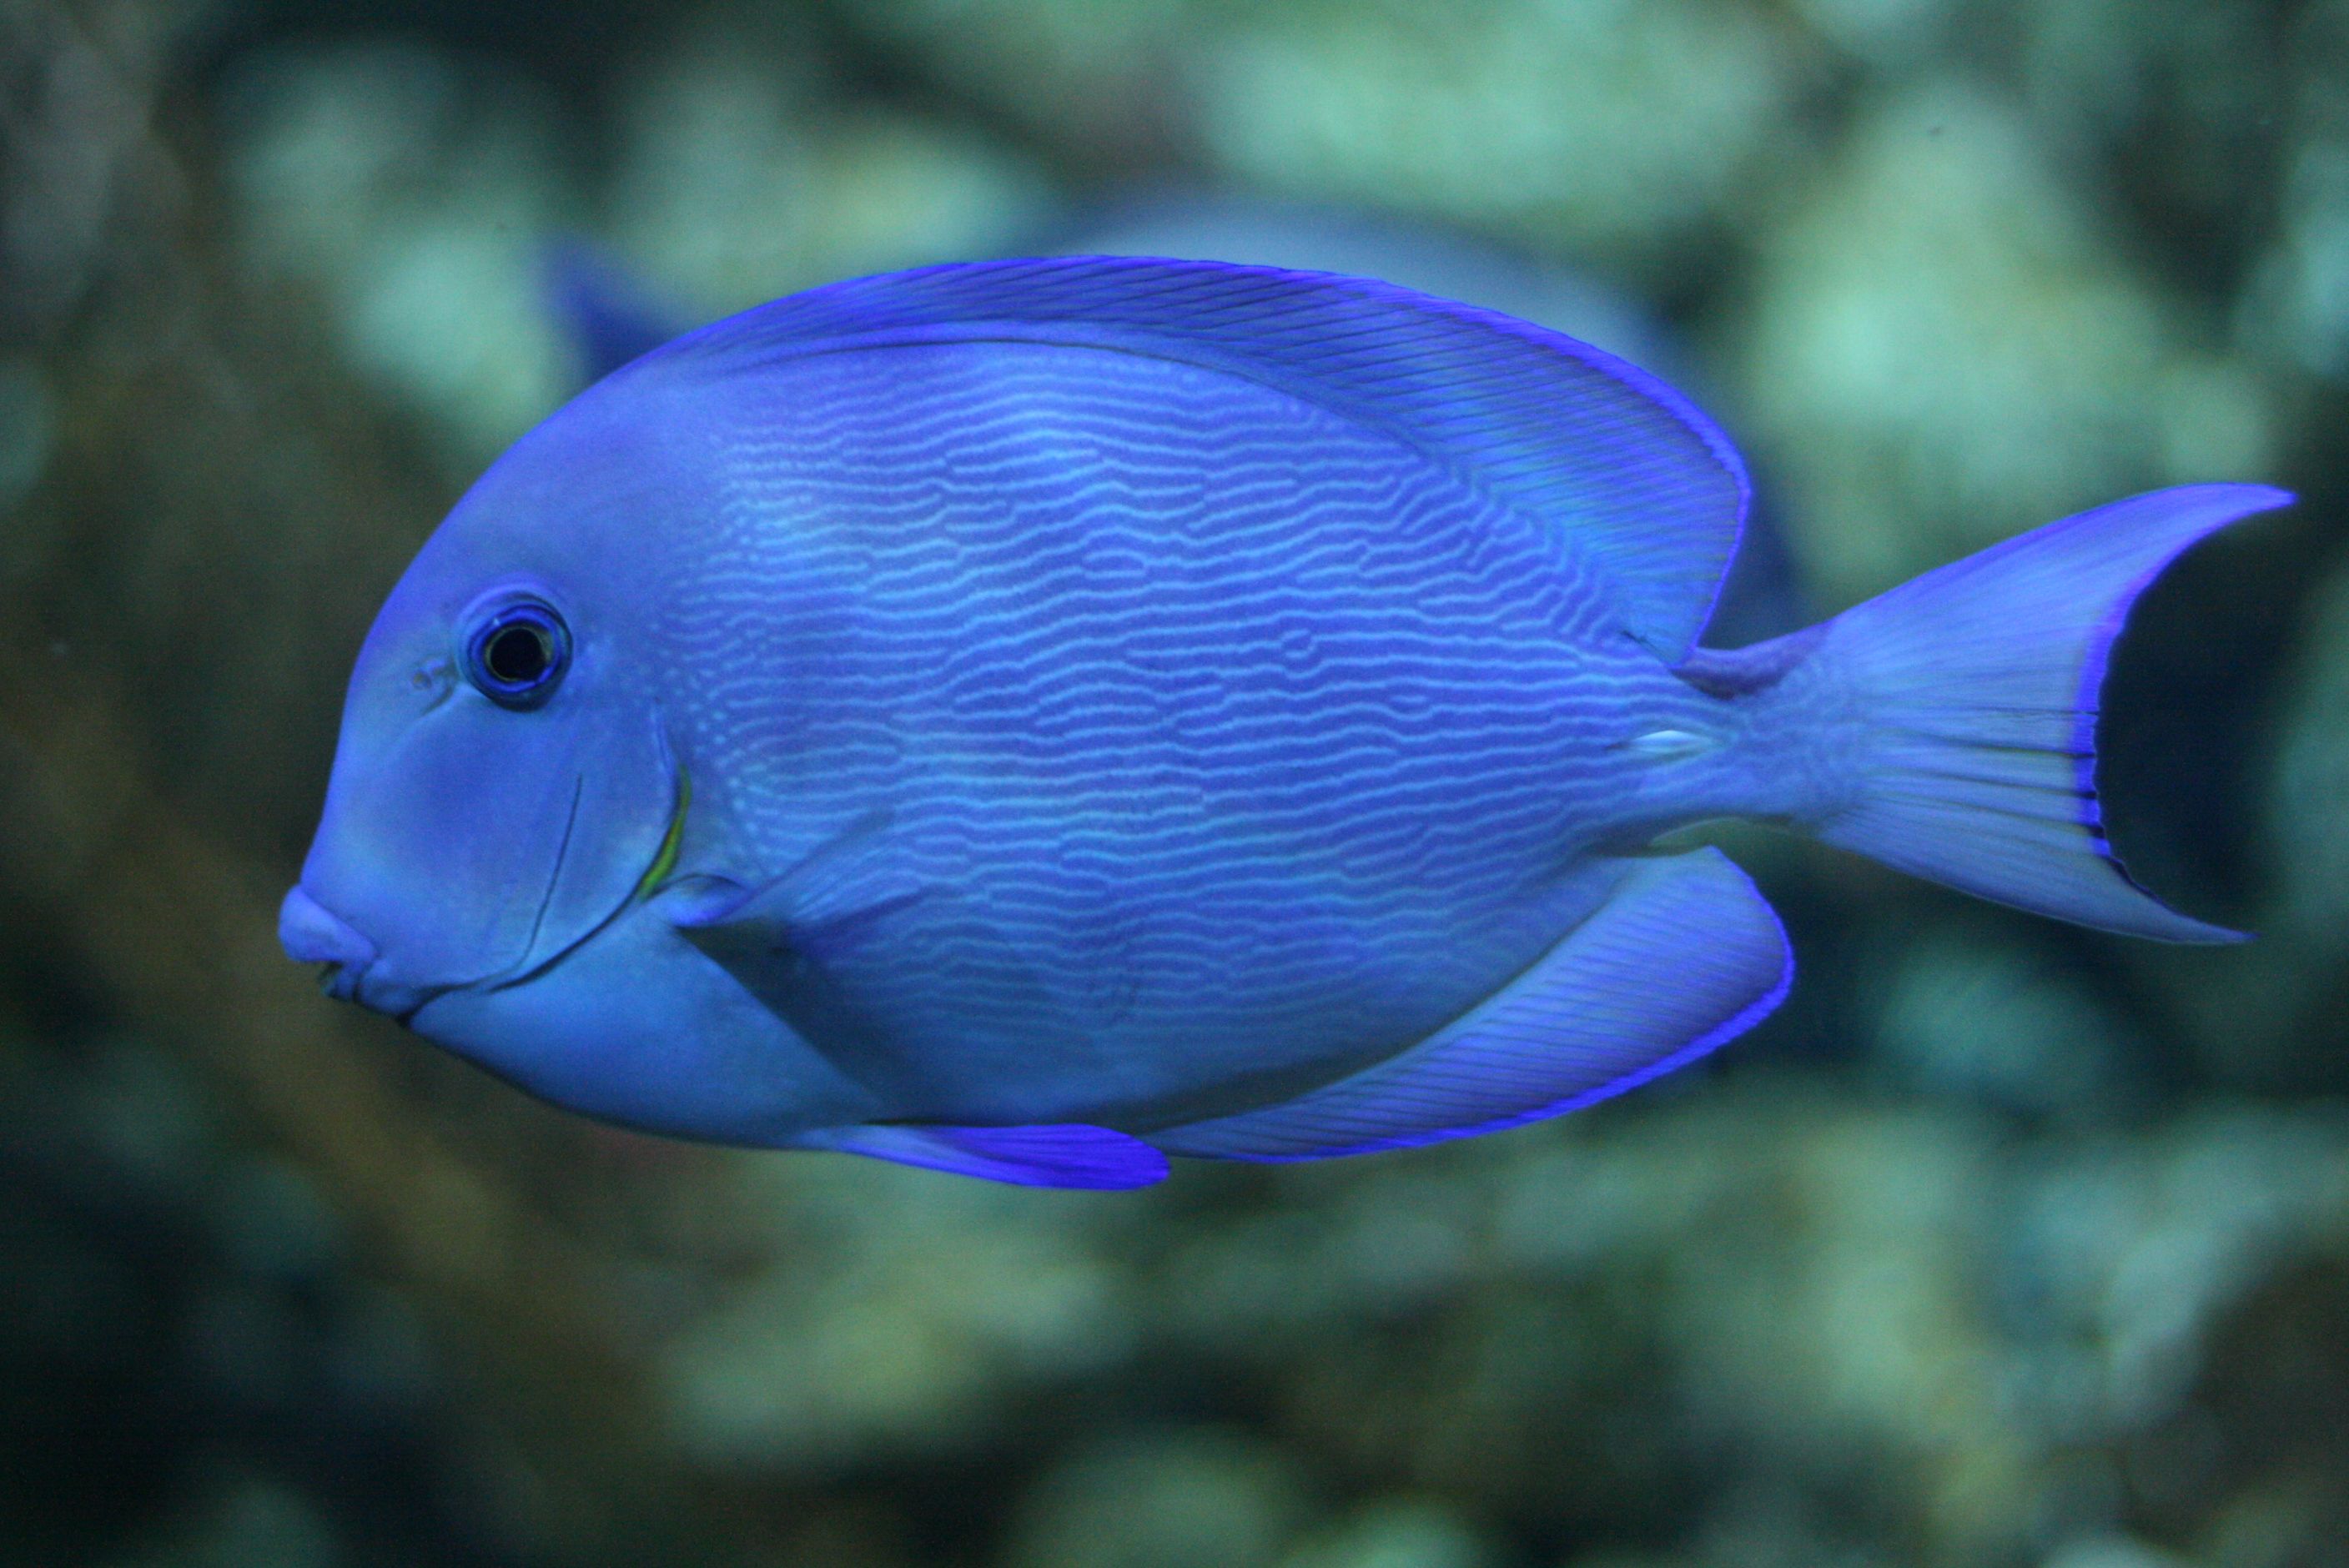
{"x": 1645, "y": 487}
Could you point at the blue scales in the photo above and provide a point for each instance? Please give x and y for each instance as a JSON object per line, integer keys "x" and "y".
{"x": 1030, "y": 719}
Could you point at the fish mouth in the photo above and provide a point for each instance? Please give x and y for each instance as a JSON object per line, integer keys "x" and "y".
{"x": 397, "y": 1001}
{"x": 347, "y": 961}
{"x": 312, "y": 934}
{"x": 350, "y": 964}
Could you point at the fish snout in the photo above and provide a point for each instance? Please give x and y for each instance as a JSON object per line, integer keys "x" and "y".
{"x": 311, "y": 934}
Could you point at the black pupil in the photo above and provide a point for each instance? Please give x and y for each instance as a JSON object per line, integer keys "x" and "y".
{"x": 518, "y": 655}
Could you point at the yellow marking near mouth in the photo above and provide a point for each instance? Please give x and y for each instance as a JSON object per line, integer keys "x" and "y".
{"x": 664, "y": 859}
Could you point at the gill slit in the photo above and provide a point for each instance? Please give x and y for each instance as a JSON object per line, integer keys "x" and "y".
{"x": 514, "y": 973}
{"x": 664, "y": 861}
{"x": 555, "y": 878}
{"x": 522, "y": 968}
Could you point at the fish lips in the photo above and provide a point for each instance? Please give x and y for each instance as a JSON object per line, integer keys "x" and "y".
{"x": 354, "y": 967}
{"x": 312, "y": 934}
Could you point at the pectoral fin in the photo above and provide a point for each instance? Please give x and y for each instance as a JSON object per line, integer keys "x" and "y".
{"x": 825, "y": 906}
{"x": 909, "y": 985}
{"x": 1683, "y": 956}
{"x": 812, "y": 944}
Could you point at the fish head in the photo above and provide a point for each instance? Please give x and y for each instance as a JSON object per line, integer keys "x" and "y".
{"x": 502, "y": 787}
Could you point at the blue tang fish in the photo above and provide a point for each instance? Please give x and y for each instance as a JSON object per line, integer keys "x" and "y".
{"x": 1030, "y": 719}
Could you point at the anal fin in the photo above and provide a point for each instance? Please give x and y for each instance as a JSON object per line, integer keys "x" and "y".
{"x": 1065, "y": 1155}
{"x": 1683, "y": 956}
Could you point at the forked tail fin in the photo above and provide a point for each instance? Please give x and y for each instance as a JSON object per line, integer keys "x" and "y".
{"x": 1975, "y": 688}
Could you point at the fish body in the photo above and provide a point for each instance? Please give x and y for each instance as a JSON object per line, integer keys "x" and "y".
{"x": 1026, "y": 718}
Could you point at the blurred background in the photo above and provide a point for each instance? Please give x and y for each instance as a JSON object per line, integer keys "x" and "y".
{"x": 2002, "y": 1243}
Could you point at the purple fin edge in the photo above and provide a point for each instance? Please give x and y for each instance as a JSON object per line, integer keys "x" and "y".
{"x": 719, "y": 336}
{"x": 1065, "y": 1155}
{"x": 1703, "y": 1045}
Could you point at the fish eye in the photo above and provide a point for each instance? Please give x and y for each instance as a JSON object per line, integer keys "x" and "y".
{"x": 517, "y": 655}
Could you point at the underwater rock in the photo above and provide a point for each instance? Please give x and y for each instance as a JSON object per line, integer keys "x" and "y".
{"x": 1173, "y": 1498}
{"x": 2264, "y": 1022}
{"x": 1957, "y": 1012}
{"x": 2297, "y": 307}
{"x": 76, "y": 86}
{"x": 2111, "y": 1552}
{"x": 1886, "y": 34}
{"x": 243, "y": 1521}
{"x": 407, "y": 189}
{"x": 78, "y": 171}
{"x": 740, "y": 178}
{"x": 1910, "y": 1304}
{"x": 25, "y": 432}
{"x": 1592, "y": 127}
{"x": 1397, "y": 1533}
{"x": 1094, "y": 82}
{"x": 1943, "y": 349}
{"x": 2253, "y": 1468}
{"x": 2169, "y": 108}
{"x": 898, "y": 1314}
{"x": 2307, "y": 829}
{"x": 2129, "y": 1253}
{"x": 199, "y": 1372}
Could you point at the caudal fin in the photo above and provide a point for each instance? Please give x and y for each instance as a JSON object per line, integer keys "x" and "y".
{"x": 1975, "y": 688}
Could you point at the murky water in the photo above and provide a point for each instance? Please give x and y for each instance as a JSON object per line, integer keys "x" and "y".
{"x": 2002, "y": 1243}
